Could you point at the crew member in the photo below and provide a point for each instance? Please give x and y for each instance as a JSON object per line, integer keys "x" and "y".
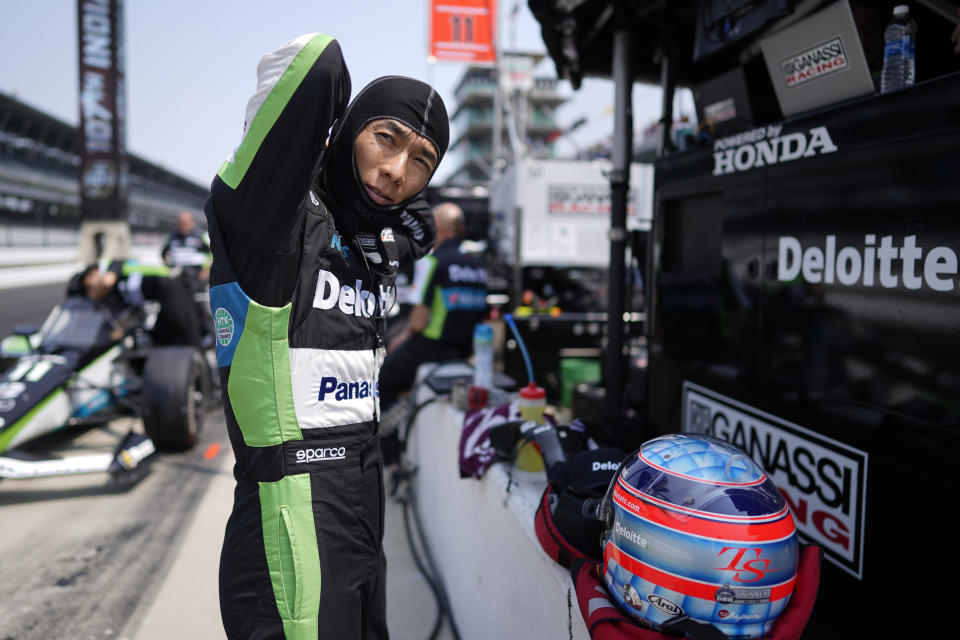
{"x": 450, "y": 298}
{"x": 307, "y": 234}
{"x": 123, "y": 286}
{"x": 186, "y": 247}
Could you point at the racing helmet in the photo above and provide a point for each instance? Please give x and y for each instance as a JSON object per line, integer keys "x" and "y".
{"x": 694, "y": 527}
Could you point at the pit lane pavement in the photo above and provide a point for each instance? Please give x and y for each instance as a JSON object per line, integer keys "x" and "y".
{"x": 80, "y": 559}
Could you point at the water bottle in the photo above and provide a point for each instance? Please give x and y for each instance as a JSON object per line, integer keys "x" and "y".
{"x": 898, "y": 51}
{"x": 483, "y": 356}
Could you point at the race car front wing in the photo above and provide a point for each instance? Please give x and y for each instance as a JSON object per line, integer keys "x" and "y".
{"x": 126, "y": 465}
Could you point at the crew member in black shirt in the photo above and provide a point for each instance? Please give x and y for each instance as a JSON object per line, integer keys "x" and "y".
{"x": 450, "y": 298}
{"x": 187, "y": 248}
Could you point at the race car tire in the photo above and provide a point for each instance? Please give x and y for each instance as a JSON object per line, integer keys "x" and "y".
{"x": 174, "y": 388}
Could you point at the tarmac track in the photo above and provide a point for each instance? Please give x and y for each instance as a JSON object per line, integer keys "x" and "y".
{"x": 28, "y": 305}
{"x": 79, "y": 557}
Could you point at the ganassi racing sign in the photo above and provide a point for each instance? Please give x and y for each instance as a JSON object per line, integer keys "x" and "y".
{"x": 583, "y": 199}
{"x": 823, "y": 481}
{"x": 816, "y": 62}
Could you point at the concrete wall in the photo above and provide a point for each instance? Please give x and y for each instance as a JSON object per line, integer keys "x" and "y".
{"x": 499, "y": 581}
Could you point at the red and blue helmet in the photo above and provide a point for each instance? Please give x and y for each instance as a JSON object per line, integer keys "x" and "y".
{"x": 696, "y": 528}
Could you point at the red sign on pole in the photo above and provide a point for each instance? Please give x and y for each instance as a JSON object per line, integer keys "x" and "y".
{"x": 463, "y": 30}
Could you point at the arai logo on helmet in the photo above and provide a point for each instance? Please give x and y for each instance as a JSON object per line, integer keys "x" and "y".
{"x": 223, "y": 323}
{"x": 665, "y": 605}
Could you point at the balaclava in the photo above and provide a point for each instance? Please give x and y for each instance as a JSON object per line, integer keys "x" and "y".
{"x": 412, "y": 102}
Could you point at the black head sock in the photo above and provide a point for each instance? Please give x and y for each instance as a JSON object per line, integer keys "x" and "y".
{"x": 415, "y": 104}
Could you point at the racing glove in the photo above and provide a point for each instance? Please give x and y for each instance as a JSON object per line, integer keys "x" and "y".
{"x": 416, "y": 232}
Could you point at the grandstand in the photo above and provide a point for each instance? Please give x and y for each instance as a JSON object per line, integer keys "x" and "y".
{"x": 39, "y": 182}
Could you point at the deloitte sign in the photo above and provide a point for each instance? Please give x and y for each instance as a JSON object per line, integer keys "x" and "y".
{"x": 884, "y": 264}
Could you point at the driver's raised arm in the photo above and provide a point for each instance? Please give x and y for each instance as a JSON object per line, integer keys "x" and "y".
{"x": 302, "y": 88}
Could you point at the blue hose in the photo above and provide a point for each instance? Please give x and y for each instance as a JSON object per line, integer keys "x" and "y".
{"x": 523, "y": 348}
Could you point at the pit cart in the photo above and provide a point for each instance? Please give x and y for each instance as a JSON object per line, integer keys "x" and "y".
{"x": 803, "y": 297}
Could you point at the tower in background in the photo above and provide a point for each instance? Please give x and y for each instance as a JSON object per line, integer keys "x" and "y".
{"x": 527, "y": 128}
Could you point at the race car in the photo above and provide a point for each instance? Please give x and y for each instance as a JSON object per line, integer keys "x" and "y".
{"x": 84, "y": 367}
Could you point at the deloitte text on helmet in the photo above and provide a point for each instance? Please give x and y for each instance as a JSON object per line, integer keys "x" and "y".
{"x": 870, "y": 265}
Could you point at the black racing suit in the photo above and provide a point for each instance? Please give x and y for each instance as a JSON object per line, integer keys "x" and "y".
{"x": 298, "y": 313}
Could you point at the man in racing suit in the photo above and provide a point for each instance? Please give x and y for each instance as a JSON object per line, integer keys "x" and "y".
{"x": 306, "y": 241}
{"x": 122, "y": 286}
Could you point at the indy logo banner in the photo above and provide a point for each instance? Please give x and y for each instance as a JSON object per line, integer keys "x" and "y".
{"x": 823, "y": 481}
{"x": 104, "y": 168}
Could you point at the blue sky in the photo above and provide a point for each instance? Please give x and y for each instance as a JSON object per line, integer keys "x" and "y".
{"x": 191, "y": 65}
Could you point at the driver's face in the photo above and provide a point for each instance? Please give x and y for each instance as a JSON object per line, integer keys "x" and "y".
{"x": 98, "y": 284}
{"x": 394, "y": 162}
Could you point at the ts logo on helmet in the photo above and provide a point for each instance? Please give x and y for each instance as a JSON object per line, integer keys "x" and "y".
{"x": 745, "y": 570}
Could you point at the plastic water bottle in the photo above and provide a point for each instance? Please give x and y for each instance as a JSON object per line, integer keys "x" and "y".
{"x": 898, "y": 51}
{"x": 483, "y": 356}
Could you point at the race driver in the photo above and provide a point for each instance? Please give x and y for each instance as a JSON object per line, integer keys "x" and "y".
{"x": 306, "y": 242}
